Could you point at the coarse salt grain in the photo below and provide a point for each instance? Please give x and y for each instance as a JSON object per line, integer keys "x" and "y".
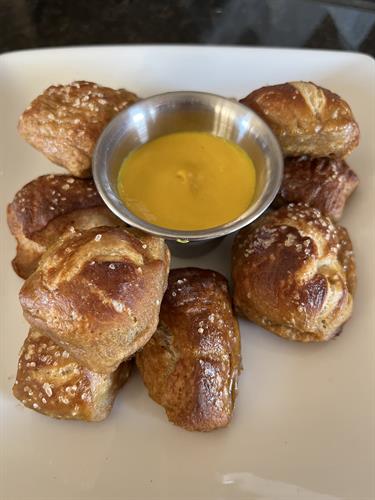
{"x": 290, "y": 239}
{"x": 118, "y": 306}
{"x": 47, "y": 389}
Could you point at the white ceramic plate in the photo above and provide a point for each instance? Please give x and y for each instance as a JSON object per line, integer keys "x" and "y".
{"x": 304, "y": 422}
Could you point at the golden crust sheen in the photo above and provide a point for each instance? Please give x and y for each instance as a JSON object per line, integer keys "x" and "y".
{"x": 323, "y": 183}
{"x": 53, "y": 383}
{"x": 65, "y": 121}
{"x": 294, "y": 274}
{"x": 191, "y": 365}
{"x": 97, "y": 293}
{"x": 307, "y": 119}
{"x": 46, "y": 207}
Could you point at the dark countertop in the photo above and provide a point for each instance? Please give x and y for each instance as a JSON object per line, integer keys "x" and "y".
{"x": 340, "y": 24}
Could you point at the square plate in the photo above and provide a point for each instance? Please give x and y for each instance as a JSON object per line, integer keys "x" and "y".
{"x": 304, "y": 422}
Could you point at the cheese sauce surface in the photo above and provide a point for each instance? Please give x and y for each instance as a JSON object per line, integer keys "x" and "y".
{"x": 187, "y": 181}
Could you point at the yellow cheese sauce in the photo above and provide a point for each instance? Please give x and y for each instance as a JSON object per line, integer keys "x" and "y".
{"x": 187, "y": 181}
